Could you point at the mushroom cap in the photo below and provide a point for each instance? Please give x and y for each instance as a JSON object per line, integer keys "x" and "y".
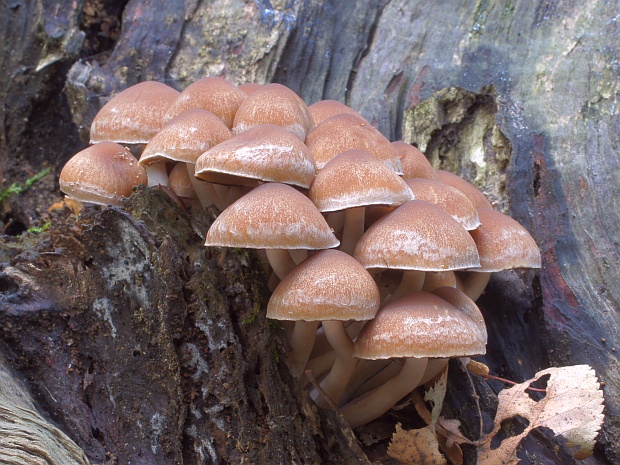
{"x": 180, "y": 182}
{"x": 343, "y": 132}
{"x": 417, "y": 236}
{"x": 472, "y": 192}
{"x": 355, "y": 178}
{"x": 451, "y": 200}
{"x": 274, "y": 104}
{"x": 503, "y": 243}
{"x": 103, "y": 173}
{"x": 272, "y": 216}
{"x": 214, "y": 94}
{"x": 263, "y": 153}
{"x": 185, "y": 137}
{"x": 250, "y": 87}
{"x": 330, "y": 285}
{"x": 324, "y": 109}
{"x": 414, "y": 162}
{"x": 420, "y": 324}
{"x": 134, "y": 115}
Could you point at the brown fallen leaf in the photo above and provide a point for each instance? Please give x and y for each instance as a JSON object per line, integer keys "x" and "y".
{"x": 416, "y": 447}
{"x": 572, "y": 408}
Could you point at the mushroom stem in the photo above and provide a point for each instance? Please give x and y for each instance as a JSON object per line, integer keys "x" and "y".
{"x": 204, "y": 190}
{"x": 280, "y": 261}
{"x": 353, "y": 228}
{"x": 474, "y": 283}
{"x": 375, "y": 403}
{"x": 337, "y": 379}
{"x": 301, "y": 340}
{"x": 157, "y": 174}
{"x": 412, "y": 281}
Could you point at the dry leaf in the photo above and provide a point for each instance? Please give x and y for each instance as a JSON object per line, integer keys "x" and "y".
{"x": 477, "y": 368}
{"x": 435, "y": 395}
{"x": 572, "y": 408}
{"x": 415, "y": 447}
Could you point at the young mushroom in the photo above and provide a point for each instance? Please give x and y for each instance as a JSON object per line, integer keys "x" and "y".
{"x": 331, "y": 287}
{"x": 102, "y": 174}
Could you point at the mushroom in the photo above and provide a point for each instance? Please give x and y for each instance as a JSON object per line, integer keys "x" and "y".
{"x": 134, "y": 115}
{"x": 415, "y": 327}
{"x": 416, "y": 237}
{"x": 414, "y": 162}
{"x": 183, "y": 139}
{"x": 263, "y": 153}
{"x": 214, "y": 94}
{"x": 472, "y": 192}
{"x": 275, "y": 217}
{"x": 343, "y": 132}
{"x": 274, "y": 104}
{"x": 502, "y": 244}
{"x": 349, "y": 182}
{"x": 331, "y": 287}
{"x": 324, "y": 109}
{"x": 103, "y": 174}
{"x": 450, "y": 199}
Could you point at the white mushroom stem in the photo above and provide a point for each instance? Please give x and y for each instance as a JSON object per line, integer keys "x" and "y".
{"x": 337, "y": 379}
{"x": 353, "y": 228}
{"x": 474, "y": 283}
{"x": 301, "y": 340}
{"x": 280, "y": 261}
{"x": 367, "y": 370}
{"x": 157, "y": 174}
{"x": 412, "y": 281}
{"x": 375, "y": 403}
{"x": 204, "y": 190}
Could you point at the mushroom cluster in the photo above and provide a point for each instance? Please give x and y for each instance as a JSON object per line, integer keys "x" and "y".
{"x": 375, "y": 257}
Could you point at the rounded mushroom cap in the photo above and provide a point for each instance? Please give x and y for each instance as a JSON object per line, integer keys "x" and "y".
{"x": 103, "y": 173}
{"x": 134, "y": 115}
{"x": 420, "y": 324}
{"x": 355, "y": 178}
{"x": 451, "y": 200}
{"x": 185, "y": 137}
{"x": 324, "y": 109}
{"x": 330, "y": 285}
{"x": 214, "y": 94}
{"x": 264, "y": 153}
{"x": 343, "y": 132}
{"x": 274, "y": 104}
{"x": 414, "y": 162}
{"x": 180, "y": 182}
{"x": 503, "y": 243}
{"x": 417, "y": 236}
{"x": 472, "y": 192}
{"x": 272, "y": 216}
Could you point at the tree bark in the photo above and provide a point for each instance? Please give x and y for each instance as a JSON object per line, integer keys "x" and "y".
{"x": 519, "y": 98}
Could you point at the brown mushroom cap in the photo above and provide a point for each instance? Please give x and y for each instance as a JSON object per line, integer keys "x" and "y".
{"x": 420, "y": 324}
{"x": 330, "y": 285}
{"x": 134, "y": 115}
{"x": 344, "y": 132}
{"x": 272, "y": 216}
{"x": 503, "y": 243}
{"x": 263, "y": 153}
{"x": 103, "y": 173}
{"x": 472, "y": 192}
{"x": 451, "y": 200}
{"x": 417, "y": 236}
{"x": 180, "y": 182}
{"x": 324, "y": 109}
{"x": 214, "y": 94}
{"x": 414, "y": 162}
{"x": 274, "y": 104}
{"x": 355, "y": 178}
{"x": 185, "y": 138}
